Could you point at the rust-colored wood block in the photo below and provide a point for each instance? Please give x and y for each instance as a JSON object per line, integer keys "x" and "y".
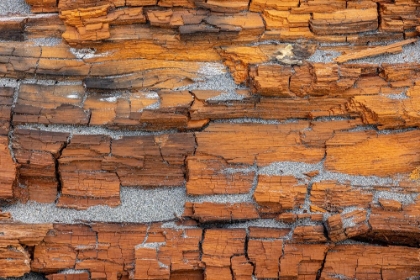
{"x": 241, "y": 267}
{"x": 153, "y": 160}
{"x": 6, "y": 102}
{"x": 8, "y": 170}
{"x": 387, "y": 112}
{"x": 272, "y": 80}
{"x": 49, "y": 258}
{"x": 265, "y": 254}
{"x": 393, "y": 227}
{"x": 25, "y": 234}
{"x": 211, "y": 175}
{"x": 83, "y": 181}
{"x": 37, "y": 152}
{"x": 50, "y": 105}
{"x": 181, "y": 251}
{"x": 263, "y": 232}
{"x": 367, "y": 262}
{"x": 275, "y": 194}
{"x": 269, "y": 108}
{"x": 219, "y": 246}
{"x": 309, "y": 234}
{"x": 43, "y": 6}
{"x": 332, "y": 196}
{"x": 302, "y": 260}
{"x": 367, "y": 153}
{"x": 279, "y": 143}
{"x": 148, "y": 267}
{"x": 224, "y": 212}
{"x": 14, "y": 261}
{"x": 347, "y": 225}
{"x": 148, "y": 110}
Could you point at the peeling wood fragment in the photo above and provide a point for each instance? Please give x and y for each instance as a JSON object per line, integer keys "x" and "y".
{"x": 92, "y": 24}
{"x": 347, "y": 225}
{"x": 388, "y": 112}
{"x": 24, "y": 234}
{"x": 238, "y": 59}
{"x": 14, "y": 261}
{"x": 392, "y": 48}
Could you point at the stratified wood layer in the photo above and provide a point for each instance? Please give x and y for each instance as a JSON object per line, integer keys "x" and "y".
{"x": 149, "y": 251}
{"x": 291, "y": 156}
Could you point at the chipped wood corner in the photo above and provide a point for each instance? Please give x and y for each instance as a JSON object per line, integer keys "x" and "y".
{"x": 209, "y": 139}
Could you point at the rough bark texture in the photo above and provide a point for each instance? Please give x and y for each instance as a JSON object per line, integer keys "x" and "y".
{"x": 210, "y": 139}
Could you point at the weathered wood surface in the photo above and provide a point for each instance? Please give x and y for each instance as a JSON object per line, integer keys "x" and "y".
{"x": 293, "y": 158}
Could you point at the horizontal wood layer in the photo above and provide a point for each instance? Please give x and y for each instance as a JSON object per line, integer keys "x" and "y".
{"x": 290, "y": 157}
{"x": 141, "y": 251}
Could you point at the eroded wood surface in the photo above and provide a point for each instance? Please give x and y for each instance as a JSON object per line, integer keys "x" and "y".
{"x": 293, "y": 157}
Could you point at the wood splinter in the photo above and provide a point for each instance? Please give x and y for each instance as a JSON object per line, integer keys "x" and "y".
{"x": 392, "y": 48}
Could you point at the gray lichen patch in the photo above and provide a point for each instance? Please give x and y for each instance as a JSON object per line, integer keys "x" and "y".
{"x": 92, "y": 130}
{"x": 214, "y": 76}
{"x": 323, "y": 56}
{"x": 47, "y": 41}
{"x": 403, "y": 198}
{"x": 14, "y": 7}
{"x": 137, "y": 206}
{"x": 297, "y": 169}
